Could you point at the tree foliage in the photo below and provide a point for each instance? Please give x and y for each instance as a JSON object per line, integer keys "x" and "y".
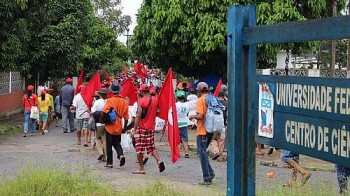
{"x": 54, "y": 38}
{"x": 189, "y": 35}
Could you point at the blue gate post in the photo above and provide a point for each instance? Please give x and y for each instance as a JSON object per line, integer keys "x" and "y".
{"x": 241, "y": 119}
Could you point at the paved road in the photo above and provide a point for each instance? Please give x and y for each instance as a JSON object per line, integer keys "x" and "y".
{"x": 59, "y": 149}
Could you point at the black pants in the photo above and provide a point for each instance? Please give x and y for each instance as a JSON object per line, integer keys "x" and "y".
{"x": 113, "y": 140}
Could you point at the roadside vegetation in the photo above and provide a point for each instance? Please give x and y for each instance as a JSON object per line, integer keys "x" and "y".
{"x": 6, "y": 129}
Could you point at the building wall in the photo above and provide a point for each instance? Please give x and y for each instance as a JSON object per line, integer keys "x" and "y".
{"x": 11, "y": 103}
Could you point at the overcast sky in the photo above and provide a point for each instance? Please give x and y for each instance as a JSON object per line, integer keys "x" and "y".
{"x": 130, "y": 7}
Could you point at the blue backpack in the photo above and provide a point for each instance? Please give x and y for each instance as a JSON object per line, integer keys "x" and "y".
{"x": 214, "y": 117}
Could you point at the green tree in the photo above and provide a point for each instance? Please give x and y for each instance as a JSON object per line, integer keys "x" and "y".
{"x": 110, "y": 12}
{"x": 189, "y": 35}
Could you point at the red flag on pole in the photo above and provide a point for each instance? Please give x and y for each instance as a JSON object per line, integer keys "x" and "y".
{"x": 129, "y": 91}
{"x": 168, "y": 113}
{"x": 90, "y": 88}
{"x": 109, "y": 79}
{"x": 217, "y": 89}
{"x": 80, "y": 81}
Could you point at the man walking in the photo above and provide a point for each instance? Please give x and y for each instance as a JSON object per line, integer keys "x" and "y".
{"x": 114, "y": 129}
{"x": 66, "y": 100}
{"x": 203, "y": 138}
{"x": 144, "y": 128}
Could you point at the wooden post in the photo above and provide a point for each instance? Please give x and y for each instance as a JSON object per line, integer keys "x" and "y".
{"x": 241, "y": 132}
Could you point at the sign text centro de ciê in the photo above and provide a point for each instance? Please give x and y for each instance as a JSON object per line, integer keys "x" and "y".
{"x": 311, "y": 116}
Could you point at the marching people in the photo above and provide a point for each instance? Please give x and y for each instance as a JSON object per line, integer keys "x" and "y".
{"x": 292, "y": 159}
{"x": 343, "y": 174}
{"x": 182, "y": 109}
{"x": 218, "y": 141}
{"x": 203, "y": 138}
{"x": 100, "y": 128}
{"x": 57, "y": 108}
{"x": 29, "y": 99}
{"x": 144, "y": 129}
{"x": 44, "y": 105}
{"x": 82, "y": 115}
{"x": 114, "y": 129}
{"x": 192, "y": 95}
{"x": 51, "y": 111}
{"x": 66, "y": 100}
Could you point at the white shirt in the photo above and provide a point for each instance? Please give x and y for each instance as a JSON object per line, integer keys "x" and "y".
{"x": 133, "y": 110}
{"x": 98, "y": 105}
{"x": 81, "y": 107}
{"x": 182, "y": 110}
{"x": 192, "y": 97}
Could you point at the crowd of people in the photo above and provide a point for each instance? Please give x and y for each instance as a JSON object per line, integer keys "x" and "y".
{"x": 139, "y": 122}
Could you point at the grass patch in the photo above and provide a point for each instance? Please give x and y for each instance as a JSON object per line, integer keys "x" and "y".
{"x": 9, "y": 129}
{"x": 52, "y": 181}
{"x": 56, "y": 181}
{"x": 315, "y": 189}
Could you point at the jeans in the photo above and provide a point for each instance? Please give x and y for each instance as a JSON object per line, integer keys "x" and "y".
{"x": 343, "y": 173}
{"x": 28, "y": 122}
{"x": 113, "y": 140}
{"x": 203, "y": 142}
{"x": 67, "y": 115}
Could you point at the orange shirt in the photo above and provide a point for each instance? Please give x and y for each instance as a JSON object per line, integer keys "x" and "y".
{"x": 121, "y": 107}
{"x": 201, "y": 108}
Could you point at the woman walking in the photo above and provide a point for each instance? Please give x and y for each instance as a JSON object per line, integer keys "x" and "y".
{"x": 29, "y": 100}
{"x": 44, "y": 106}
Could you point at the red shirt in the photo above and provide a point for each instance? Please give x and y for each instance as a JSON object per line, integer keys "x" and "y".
{"x": 29, "y": 102}
{"x": 148, "y": 123}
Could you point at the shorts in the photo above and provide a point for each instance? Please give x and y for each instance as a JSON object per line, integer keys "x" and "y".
{"x": 82, "y": 124}
{"x": 183, "y": 134}
{"x": 43, "y": 116}
{"x": 287, "y": 155}
{"x": 144, "y": 140}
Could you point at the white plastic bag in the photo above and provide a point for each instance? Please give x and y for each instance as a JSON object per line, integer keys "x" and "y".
{"x": 125, "y": 141}
{"x": 34, "y": 112}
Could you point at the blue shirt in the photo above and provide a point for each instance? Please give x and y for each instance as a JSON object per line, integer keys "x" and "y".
{"x": 67, "y": 95}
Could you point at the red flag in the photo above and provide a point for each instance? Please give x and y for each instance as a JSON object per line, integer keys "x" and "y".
{"x": 80, "y": 81}
{"x": 109, "y": 79}
{"x": 217, "y": 89}
{"x": 129, "y": 91}
{"x": 90, "y": 88}
{"x": 168, "y": 113}
{"x": 140, "y": 70}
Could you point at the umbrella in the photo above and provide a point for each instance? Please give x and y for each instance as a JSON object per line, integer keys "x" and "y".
{"x": 183, "y": 85}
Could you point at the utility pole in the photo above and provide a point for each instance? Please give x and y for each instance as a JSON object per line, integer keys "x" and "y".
{"x": 334, "y": 10}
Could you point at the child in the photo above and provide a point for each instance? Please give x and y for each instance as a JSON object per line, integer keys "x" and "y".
{"x": 182, "y": 109}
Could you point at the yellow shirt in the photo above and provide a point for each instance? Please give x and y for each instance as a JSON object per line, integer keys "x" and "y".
{"x": 44, "y": 105}
{"x": 201, "y": 108}
{"x": 52, "y": 102}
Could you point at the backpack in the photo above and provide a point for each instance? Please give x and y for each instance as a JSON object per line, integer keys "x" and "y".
{"x": 110, "y": 116}
{"x": 214, "y": 117}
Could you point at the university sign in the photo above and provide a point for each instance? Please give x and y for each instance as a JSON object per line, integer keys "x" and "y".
{"x": 309, "y": 116}
{"x": 312, "y": 116}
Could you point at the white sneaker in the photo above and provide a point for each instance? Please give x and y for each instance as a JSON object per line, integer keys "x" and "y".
{"x": 45, "y": 131}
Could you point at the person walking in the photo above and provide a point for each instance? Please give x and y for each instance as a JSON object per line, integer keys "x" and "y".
{"x": 82, "y": 115}
{"x": 96, "y": 109}
{"x": 66, "y": 100}
{"x": 114, "y": 129}
{"x": 57, "y": 108}
{"x": 292, "y": 159}
{"x": 144, "y": 129}
{"x": 203, "y": 138}
{"x": 182, "y": 109}
{"x": 51, "y": 111}
{"x": 29, "y": 99}
{"x": 44, "y": 105}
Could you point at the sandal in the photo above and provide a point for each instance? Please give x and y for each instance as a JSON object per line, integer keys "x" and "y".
{"x": 138, "y": 172}
{"x": 305, "y": 177}
{"x": 187, "y": 156}
{"x": 109, "y": 165}
{"x": 161, "y": 166}
{"x": 260, "y": 153}
{"x": 145, "y": 160}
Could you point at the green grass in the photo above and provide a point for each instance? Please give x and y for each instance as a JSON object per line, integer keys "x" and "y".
{"x": 55, "y": 181}
{"x": 9, "y": 129}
